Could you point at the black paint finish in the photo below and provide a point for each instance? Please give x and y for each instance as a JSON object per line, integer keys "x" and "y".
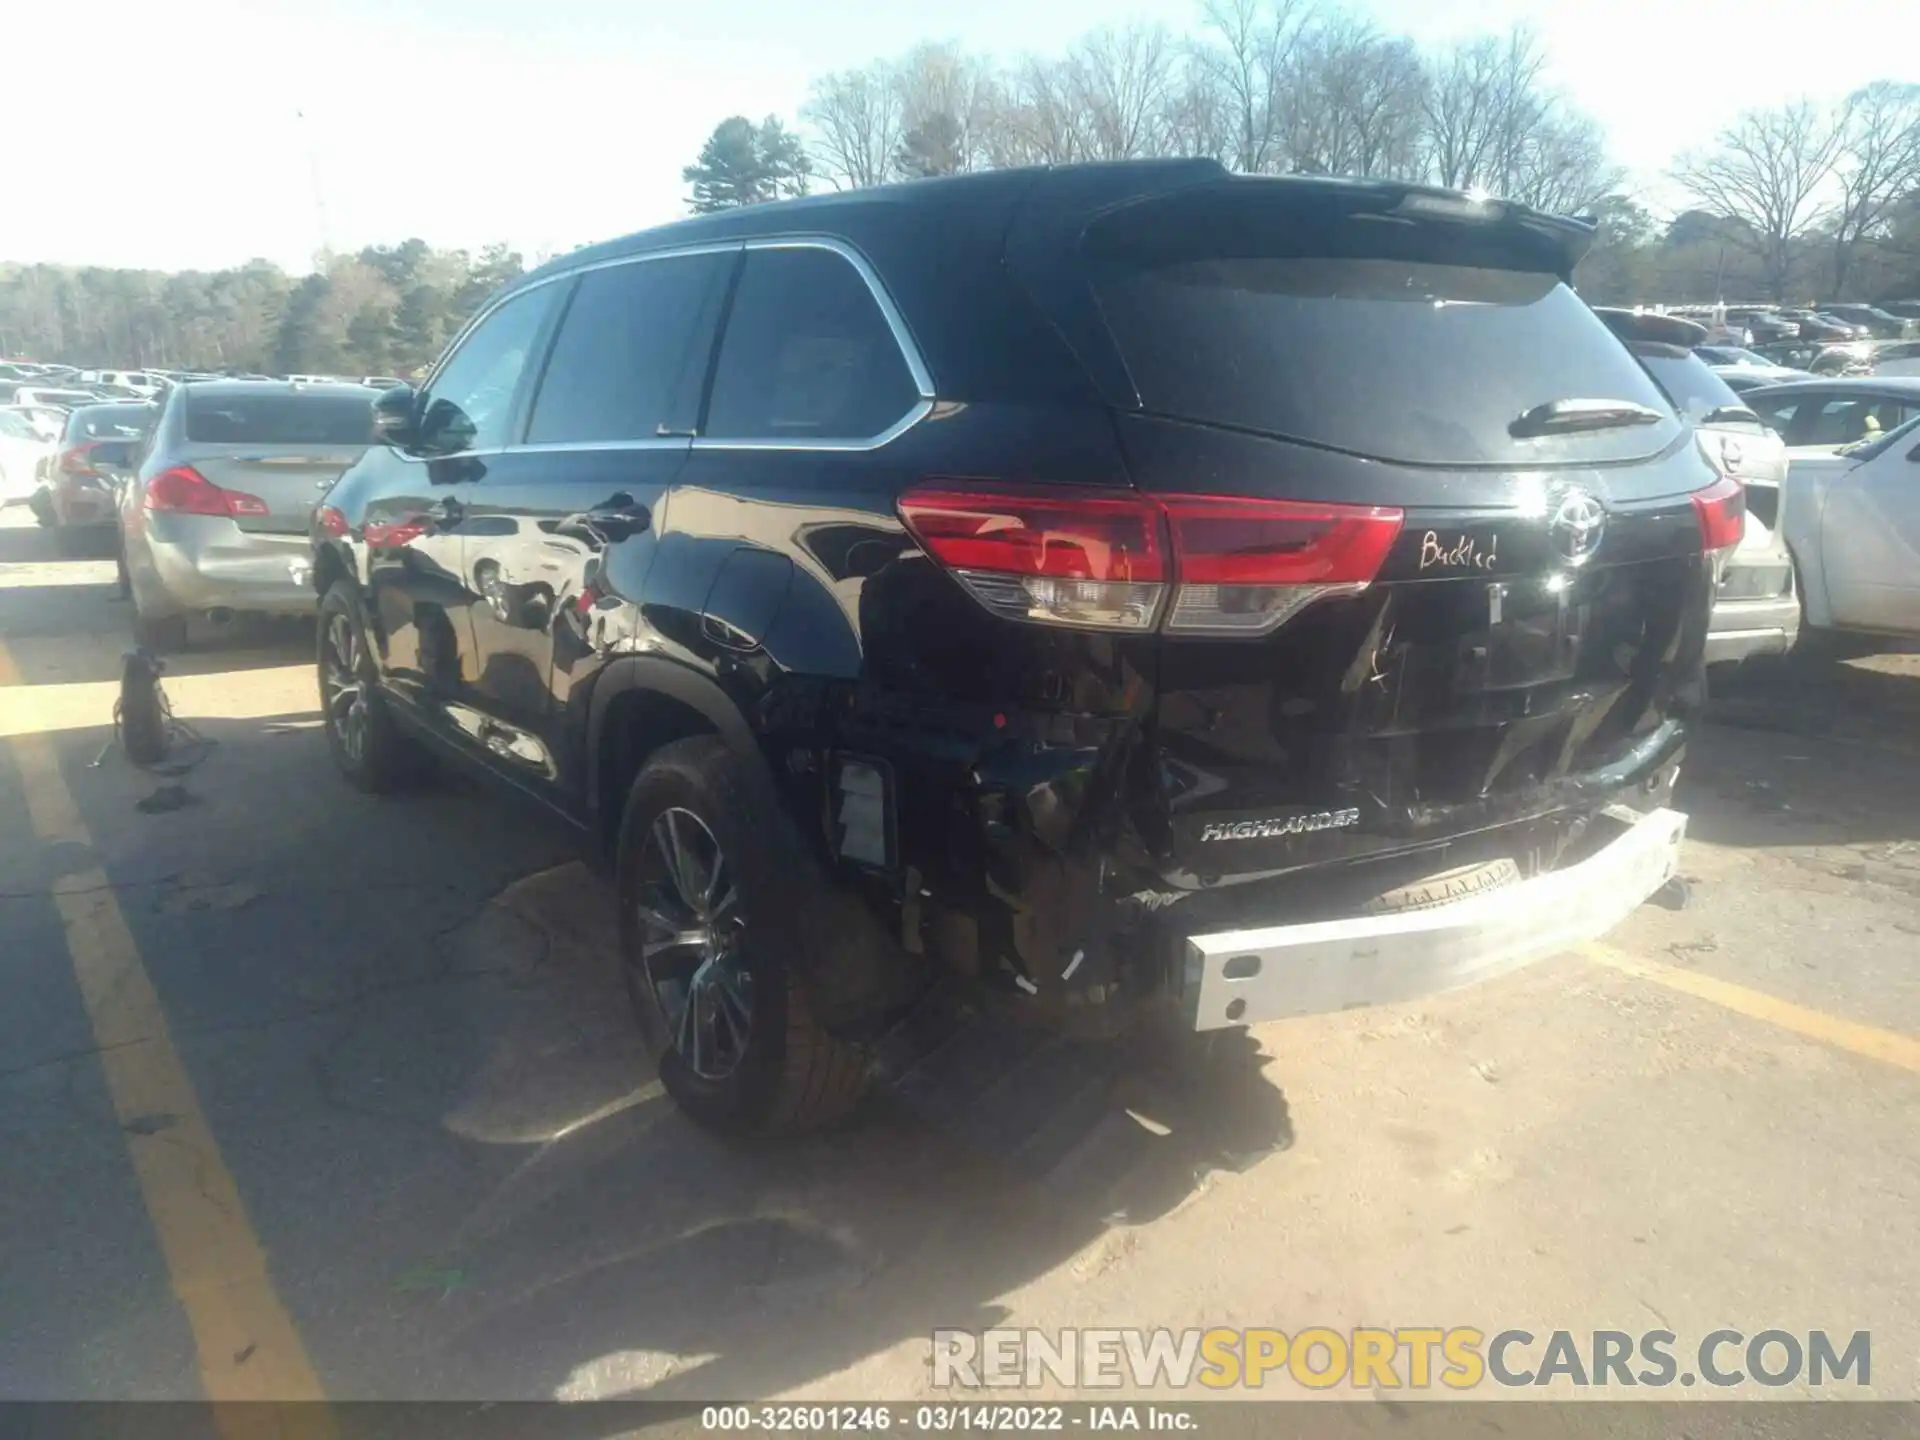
{"x": 1050, "y": 785}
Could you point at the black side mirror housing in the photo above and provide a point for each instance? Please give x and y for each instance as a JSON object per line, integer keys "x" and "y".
{"x": 394, "y": 416}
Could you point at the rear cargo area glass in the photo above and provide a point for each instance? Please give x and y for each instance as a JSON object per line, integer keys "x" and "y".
{"x": 1390, "y": 357}
{"x": 279, "y": 419}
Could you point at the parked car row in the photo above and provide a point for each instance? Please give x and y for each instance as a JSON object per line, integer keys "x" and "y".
{"x": 1828, "y": 322}
{"x": 1809, "y": 570}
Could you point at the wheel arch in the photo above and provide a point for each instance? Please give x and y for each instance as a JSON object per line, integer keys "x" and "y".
{"x": 641, "y": 703}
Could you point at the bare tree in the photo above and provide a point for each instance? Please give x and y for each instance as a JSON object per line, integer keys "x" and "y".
{"x": 1199, "y": 115}
{"x": 1482, "y": 103}
{"x": 947, "y": 99}
{"x": 1766, "y": 171}
{"x": 1563, "y": 166}
{"x": 1354, "y": 104}
{"x": 1121, "y": 80}
{"x": 1248, "y": 56}
{"x": 1037, "y": 120}
{"x": 1878, "y": 166}
{"x": 855, "y": 115}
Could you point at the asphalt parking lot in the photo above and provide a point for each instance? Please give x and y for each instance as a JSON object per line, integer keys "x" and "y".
{"x": 305, "y": 1093}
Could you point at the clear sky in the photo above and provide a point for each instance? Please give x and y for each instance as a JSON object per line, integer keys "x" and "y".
{"x": 199, "y": 132}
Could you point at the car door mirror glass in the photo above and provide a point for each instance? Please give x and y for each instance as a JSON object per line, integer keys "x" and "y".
{"x": 393, "y": 415}
{"x": 445, "y": 429}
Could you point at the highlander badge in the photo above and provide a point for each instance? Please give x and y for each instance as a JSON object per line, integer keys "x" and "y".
{"x": 1280, "y": 825}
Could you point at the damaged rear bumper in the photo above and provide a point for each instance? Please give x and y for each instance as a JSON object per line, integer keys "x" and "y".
{"x": 1243, "y": 977}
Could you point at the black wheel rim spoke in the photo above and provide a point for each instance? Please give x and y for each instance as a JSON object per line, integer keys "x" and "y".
{"x": 690, "y": 941}
{"x": 345, "y": 699}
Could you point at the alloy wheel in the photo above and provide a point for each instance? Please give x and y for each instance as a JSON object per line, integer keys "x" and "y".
{"x": 692, "y": 950}
{"x": 345, "y": 691}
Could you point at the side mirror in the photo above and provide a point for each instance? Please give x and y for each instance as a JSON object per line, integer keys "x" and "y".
{"x": 393, "y": 417}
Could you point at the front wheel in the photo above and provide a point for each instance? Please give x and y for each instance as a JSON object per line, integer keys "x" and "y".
{"x": 366, "y": 743}
{"x": 707, "y": 915}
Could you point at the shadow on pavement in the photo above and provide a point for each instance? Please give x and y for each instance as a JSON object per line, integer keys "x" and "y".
{"x": 1799, "y": 753}
{"x": 437, "y": 1108}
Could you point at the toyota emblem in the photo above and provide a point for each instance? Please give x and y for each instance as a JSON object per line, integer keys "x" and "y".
{"x": 1577, "y": 525}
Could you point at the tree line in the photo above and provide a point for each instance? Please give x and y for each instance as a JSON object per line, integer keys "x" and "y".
{"x": 1796, "y": 200}
{"x": 384, "y": 310}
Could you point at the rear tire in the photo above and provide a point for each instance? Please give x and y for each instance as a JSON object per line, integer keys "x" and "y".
{"x": 709, "y": 952}
{"x": 366, "y": 742}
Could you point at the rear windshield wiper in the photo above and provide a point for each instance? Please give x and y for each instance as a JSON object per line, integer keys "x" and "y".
{"x": 1720, "y": 414}
{"x": 1565, "y": 417}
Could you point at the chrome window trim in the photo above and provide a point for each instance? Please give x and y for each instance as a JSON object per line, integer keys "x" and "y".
{"x": 921, "y": 409}
{"x": 889, "y": 312}
{"x": 568, "y": 447}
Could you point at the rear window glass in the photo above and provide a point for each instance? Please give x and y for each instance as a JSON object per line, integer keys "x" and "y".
{"x": 1394, "y": 357}
{"x": 120, "y": 422}
{"x": 1694, "y": 389}
{"x": 280, "y": 419}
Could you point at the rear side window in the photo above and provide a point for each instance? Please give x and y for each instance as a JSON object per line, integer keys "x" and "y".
{"x": 632, "y": 352}
{"x": 1387, "y": 354}
{"x": 808, "y": 355}
{"x": 278, "y": 419}
{"x": 1845, "y": 420}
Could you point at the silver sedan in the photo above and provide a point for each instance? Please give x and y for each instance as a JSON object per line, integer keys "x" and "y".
{"x": 216, "y": 520}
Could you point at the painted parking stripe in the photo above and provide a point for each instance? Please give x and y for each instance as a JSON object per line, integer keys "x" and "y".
{"x": 248, "y": 1346}
{"x": 1887, "y": 1046}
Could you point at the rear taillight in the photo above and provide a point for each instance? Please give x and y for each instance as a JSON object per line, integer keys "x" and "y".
{"x": 1722, "y": 512}
{"x": 183, "y": 490}
{"x": 1107, "y": 559}
{"x": 74, "y": 461}
{"x": 1089, "y": 558}
{"x": 331, "y": 522}
{"x": 1248, "y": 566}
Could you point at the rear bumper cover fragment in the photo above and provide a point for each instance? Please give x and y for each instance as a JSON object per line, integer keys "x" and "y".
{"x": 1244, "y": 977}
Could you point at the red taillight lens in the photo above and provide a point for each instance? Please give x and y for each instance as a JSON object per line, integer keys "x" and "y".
{"x": 392, "y": 534}
{"x": 331, "y": 522}
{"x": 1722, "y": 511}
{"x": 74, "y": 461}
{"x": 183, "y": 490}
{"x": 1093, "y": 558}
{"x": 1106, "y": 559}
{"x": 1248, "y": 566}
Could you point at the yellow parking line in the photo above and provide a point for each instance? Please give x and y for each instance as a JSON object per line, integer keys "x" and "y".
{"x": 248, "y": 1346}
{"x": 1887, "y": 1046}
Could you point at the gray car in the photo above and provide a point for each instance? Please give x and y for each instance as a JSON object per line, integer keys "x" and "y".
{"x": 216, "y": 522}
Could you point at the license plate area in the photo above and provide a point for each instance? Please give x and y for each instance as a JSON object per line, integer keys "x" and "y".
{"x": 1528, "y": 632}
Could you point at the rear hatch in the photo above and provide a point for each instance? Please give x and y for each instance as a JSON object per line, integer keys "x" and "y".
{"x": 1455, "y": 575}
{"x": 277, "y": 450}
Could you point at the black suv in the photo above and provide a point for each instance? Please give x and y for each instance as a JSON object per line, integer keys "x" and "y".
{"x": 1094, "y": 591}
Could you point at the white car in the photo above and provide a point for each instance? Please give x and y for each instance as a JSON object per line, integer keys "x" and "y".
{"x": 1852, "y": 508}
{"x": 24, "y": 452}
